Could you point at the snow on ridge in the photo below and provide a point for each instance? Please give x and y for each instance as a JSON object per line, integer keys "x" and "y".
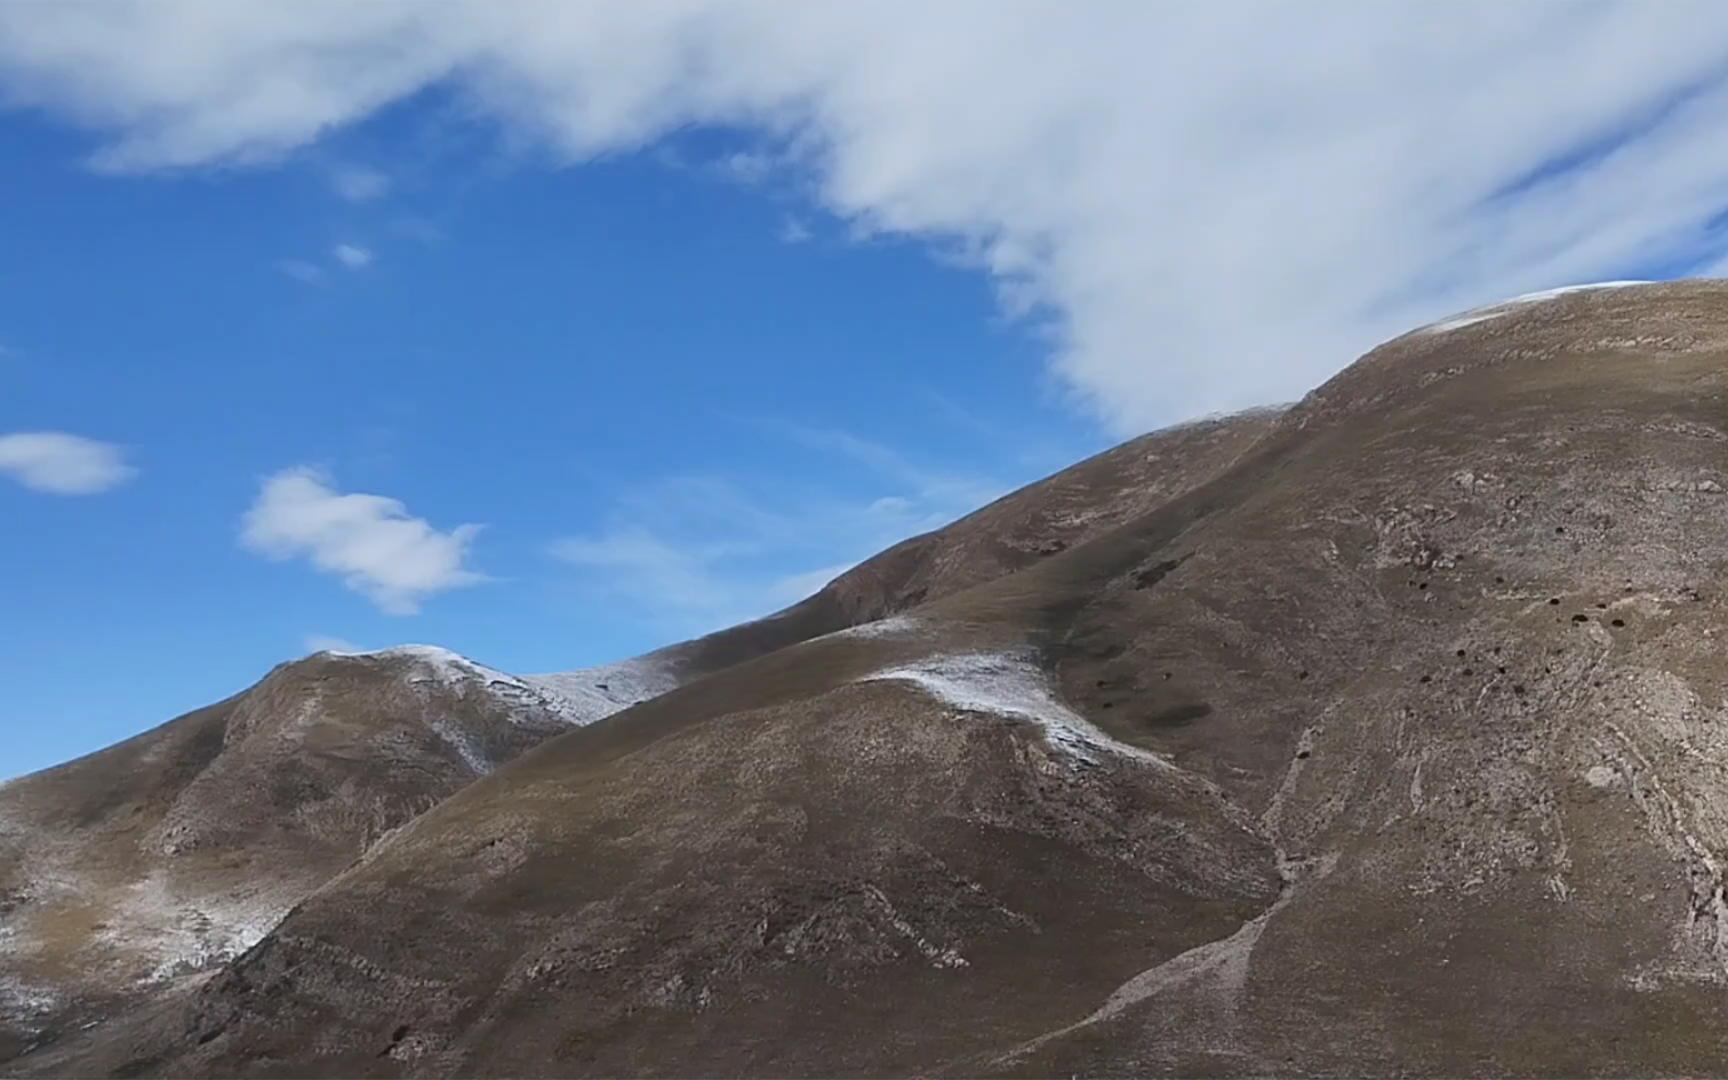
{"x": 575, "y": 698}
{"x": 438, "y": 665}
{"x": 1504, "y": 307}
{"x": 597, "y": 692}
{"x": 1011, "y": 685}
{"x": 890, "y": 626}
{"x": 1252, "y": 412}
{"x": 442, "y": 662}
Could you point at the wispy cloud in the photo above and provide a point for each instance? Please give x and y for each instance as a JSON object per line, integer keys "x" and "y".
{"x": 353, "y": 256}
{"x": 692, "y": 554}
{"x": 347, "y": 256}
{"x": 746, "y": 167}
{"x": 302, "y": 271}
{"x": 675, "y": 584}
{"x": 1205, "y": 205}
{"x": 939, "y": 489}
{"x": 357, "y": 183}
{"x": 378, "y": 549}
{"x": 56, "y": 463}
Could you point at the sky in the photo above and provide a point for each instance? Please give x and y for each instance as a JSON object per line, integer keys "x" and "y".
{"x": 553, "y": 333}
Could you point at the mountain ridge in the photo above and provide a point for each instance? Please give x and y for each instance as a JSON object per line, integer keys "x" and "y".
{"x": 871, "y": 593}
{"x": 1381, "y": 736}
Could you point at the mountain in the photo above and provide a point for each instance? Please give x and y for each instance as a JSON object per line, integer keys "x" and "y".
{"x": 1381, "y": 734}
{"x": 124, "y": 871}
{"x": 139, "y": 867}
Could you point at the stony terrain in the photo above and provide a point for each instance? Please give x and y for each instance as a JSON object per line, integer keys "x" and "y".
{"x": 1382, "y": 735}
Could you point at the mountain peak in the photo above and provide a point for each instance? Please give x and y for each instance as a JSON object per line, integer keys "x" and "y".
{"x": 1489, "y": 311}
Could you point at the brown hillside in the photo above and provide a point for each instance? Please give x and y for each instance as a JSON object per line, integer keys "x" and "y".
{"x": 1392, "y": 745}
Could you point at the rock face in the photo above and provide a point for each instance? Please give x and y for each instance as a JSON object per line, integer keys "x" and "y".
{"x": 1385, "y": 735}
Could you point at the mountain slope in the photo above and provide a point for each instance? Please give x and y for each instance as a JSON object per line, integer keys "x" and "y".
{"x": 1392, "y": 744}
{"x": 1017, "y": 530}
{"x": 136, "y": 868}
{"x": 130, "y": 868}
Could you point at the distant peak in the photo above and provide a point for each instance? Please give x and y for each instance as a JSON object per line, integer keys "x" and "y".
{"x": 443, "y": 663}
{"x": 577, "y": 697}
{"x": 394, "y": 650}
{"x": 432, "y": 653}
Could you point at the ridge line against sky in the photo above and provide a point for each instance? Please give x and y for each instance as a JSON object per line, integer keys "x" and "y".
{"x": 983, "y": 239}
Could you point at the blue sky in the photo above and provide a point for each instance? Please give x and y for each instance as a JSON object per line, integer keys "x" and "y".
{"x": 552, "y": 333}
{"x": 646, "y": 361}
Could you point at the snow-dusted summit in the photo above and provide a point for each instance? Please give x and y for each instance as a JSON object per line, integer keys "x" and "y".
{"x": 1504, "y": 307}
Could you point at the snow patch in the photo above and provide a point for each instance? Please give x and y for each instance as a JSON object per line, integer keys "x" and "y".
{"x": 176, "y": 936}
{"x": 597, "y": 692}
{"x": 574, "y": 698}
{"x": 466, "y": 747}
{"x": 22, "y": 1003}
{"x": 892, "y": 626}
{"x": 1211, "y": 419}
{"x": 1505, "y": 307}
{"x": 1009, "y": 685}
{"x": 433, "y": 662}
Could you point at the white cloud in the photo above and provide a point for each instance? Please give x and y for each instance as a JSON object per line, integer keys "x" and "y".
{"x": 1213, "y": 204}
{"x": 61, "y": 464}
{"x": 372, "y": 542}
{"x": 693, "y": 554}
{"x": 316, "y": 643}
{"x": 352, "y": 255}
